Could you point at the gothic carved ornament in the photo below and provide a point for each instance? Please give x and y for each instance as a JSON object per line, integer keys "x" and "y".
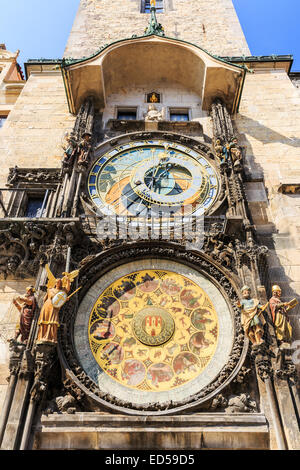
{"x": 24, "y": 246}
{"x": 29, "y": 176}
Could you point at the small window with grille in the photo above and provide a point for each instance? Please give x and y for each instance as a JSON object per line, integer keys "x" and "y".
{"x": 29, "y": 203}
{"x": 2, "y": 120}
{"x": 179, "y": 115}
{"x": 146, "y": 6}
{"x": 127, "y": 114}
{"x": 34, "y": 206}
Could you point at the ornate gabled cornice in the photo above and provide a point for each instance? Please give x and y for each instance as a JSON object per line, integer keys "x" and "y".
{"x": 68, "y": 61}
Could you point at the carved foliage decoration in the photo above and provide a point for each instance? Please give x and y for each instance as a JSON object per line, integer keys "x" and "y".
{"x": 33, "y": 175}
{"x": 24, "y": 246}
{"x": 44, "y": 356}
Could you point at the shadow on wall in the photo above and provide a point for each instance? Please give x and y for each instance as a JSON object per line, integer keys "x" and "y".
{"x": 263, "y": 133}
{"x": 277, "y": 271}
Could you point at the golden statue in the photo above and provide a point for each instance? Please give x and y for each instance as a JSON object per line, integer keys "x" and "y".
{"x": 153, "y": 98}
{"x": 235, "y": 152}
{"x": 219, "y": 149}
{"x": 252, "y": 319}
{"x": 283, "y": 329}
{"x": 56, "y": 297}
{"x": 153, "y": 3}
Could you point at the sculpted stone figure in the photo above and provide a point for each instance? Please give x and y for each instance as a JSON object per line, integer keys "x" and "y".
{"x": 240, "y": 404}
{"x": 229, "y": 151}
{"x": 153, "y": 114}
{"x": 26, "y": 306}
{"x": 279, "y": 309}
{"x": 70, "y": 147}
{"x": 57, "y": 295}
{"x": 235, "y": 153}
{"x": 225, "y": 153}
{"x": 252, "y": 319}
{"x": 84, "y": 148}
{"x": 219, "y": 150}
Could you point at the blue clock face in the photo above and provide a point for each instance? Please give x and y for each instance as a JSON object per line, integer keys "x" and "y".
{"x": 135, "y": 177}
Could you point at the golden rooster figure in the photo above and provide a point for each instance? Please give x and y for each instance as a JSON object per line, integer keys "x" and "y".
{"x": 56, "y": 297}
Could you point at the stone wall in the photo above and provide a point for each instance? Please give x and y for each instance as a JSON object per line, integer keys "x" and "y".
{"x": 173, "y": 96}
{"x": 31, "y": 138}
{"x": 269, "y": 128}
{"x": 211, "y": 24}
{"x": 33, "y": 131}
{"x": 295, "y": 77}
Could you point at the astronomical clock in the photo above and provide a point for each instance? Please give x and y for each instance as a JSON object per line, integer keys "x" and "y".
{"x": 153, "y": 174}
{"x": 149, "y": 284}
{"x": 154, "y": 329}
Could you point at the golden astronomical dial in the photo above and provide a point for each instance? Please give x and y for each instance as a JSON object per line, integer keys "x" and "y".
{"x": 136, "y": 176}
{"x": 153, "y": 330}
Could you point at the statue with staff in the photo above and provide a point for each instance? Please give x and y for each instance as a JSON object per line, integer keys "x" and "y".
{"x": 26, "y": 305}
{"x": 252, "y": 316}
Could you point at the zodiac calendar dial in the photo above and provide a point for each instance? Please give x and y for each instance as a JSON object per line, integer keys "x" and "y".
{"x": 134, "y": 177}
{"x": 153, "y": 330}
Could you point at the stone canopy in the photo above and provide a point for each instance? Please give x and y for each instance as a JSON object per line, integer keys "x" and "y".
{"x": 148, "y": 59}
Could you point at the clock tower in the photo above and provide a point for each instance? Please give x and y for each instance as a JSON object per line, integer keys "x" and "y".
{"x": 148, "y": 212}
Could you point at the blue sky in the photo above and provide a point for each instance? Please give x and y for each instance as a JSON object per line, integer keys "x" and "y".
{"x": 40, "y": 28}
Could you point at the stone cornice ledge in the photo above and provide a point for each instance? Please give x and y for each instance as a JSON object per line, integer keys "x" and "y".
{"x": 198, "y": 420}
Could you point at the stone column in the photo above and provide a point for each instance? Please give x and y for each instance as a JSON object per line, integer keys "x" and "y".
{"x": 19, "y": 404}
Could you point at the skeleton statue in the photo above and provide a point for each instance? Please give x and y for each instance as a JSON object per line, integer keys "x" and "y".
{"x": 84, "y": 148}
{"x": 70, "y": 148}
{"x": 235, "y": 153}
{"x": 219, "y": 150}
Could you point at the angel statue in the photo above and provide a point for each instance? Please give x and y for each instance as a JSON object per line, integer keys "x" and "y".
{"x": 56, "y": 297}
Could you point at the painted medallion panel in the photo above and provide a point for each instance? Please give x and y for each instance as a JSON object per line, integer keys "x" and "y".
{"x": 153, "y": 331}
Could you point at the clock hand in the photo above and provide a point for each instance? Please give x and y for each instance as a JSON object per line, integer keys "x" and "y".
{"x": 161, "y": 159}
{"x": 137, "y": 210}
{"x": 131, "y": 187}
{"x": 165, "y": 171}
{"x": 154, "y": 181}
